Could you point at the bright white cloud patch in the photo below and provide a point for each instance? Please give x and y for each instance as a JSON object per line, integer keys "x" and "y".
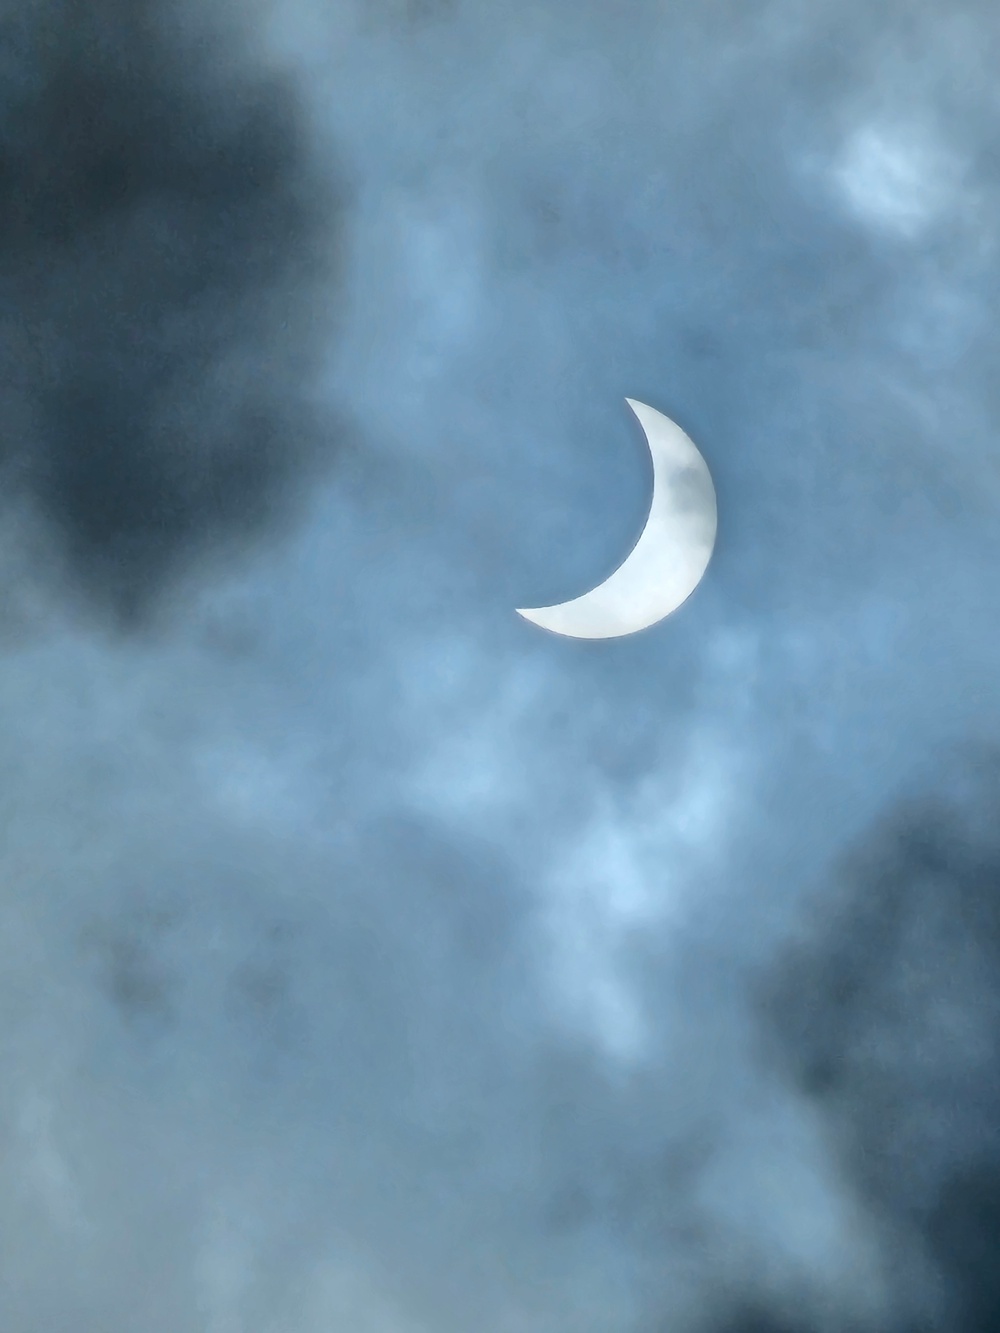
{"x": 633, "y": 868}
{"x": 899, "y": 181}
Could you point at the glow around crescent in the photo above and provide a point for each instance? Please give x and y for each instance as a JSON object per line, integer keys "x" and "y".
{"x": 669, "y": 559}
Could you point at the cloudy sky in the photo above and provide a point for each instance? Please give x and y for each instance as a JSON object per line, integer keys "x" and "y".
{"x": 370, "y": 960}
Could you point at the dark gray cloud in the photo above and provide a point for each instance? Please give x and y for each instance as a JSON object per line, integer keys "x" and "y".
{"x": 165, "y": 230}
{"x": 369, "y": 959}
{"x": 889, "y": 1019}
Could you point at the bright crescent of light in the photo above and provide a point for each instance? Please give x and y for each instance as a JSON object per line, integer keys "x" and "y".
{"x": 671, "y": 555}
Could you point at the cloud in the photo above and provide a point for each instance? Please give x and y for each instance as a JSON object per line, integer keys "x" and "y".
{"x": 888, "y": 1015}
{"x": 369, "y": 958}
{"x": 166, "y": 237}
{"x": 896, "y": 179}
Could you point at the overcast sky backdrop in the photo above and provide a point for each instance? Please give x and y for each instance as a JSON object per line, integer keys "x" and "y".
{"x": 370, "y": 960}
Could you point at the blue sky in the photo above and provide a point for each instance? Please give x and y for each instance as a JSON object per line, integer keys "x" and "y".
{"x": 372, "y": 960}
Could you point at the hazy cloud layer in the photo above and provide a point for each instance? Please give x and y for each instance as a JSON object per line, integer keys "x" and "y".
{"x": 372, "y": 960}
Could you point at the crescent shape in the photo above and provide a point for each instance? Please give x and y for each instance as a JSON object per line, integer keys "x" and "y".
{"x": 671, "y": 555}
